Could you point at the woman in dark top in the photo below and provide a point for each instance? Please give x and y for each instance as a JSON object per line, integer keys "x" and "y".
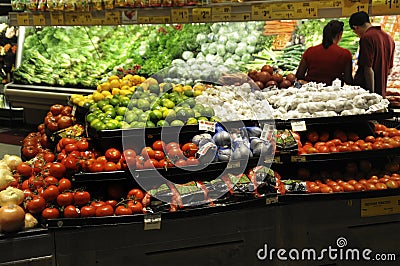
{"x": 325, "y": 62}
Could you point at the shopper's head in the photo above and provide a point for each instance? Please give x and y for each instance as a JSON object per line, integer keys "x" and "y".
{"x": 332, "y": 31}
{"x": 359, "y": 22}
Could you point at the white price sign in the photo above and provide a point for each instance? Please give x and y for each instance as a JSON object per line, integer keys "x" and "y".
{"x": 207, "y": 125}
{"x": 299, "y": 126}
{"x": 152, "y": 221}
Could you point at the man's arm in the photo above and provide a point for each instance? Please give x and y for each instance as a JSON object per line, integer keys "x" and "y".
{"x": 301, "y": 70}
{"x": 369, "y": 79}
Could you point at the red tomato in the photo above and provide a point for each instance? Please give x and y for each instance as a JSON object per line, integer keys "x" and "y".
{"x": 147, "y": 153}
{"x": 36, "y": 182}
{"x": 192, "y": 161}
{"x": 112, "y": 155}
{"x": 36, "y": 204}
{"x": 65, "y": 141}
{"x": 312, "y": 136}
{"x": 71, "y": 211}
{"x": 165, "y": 163}
{"x": 50, "y": 213}
{"x": 28, "y": 193}
{"x": 337, "y": 188}
{"x": 159, "y": 155}
{"x": 111, "y": 202}
{"x": 314, "y": 189}
{"x": 97, "y": 203}
{"x": 172, "y": 145}
{"x": 348, "y": 188}
{"x": 336, "y": 141}
{"x": 180, "y": 163}
{"x": 57, "y": 170}
{"x": 70, "y": 162}
{"x": 129, "y": 153}
{"x": 65, "y": 199}
{"x": 64, "y": 184}
{"x": 151, "y": 163}
{"x": 96, "y": 167}
{"x": 370, "y": 139}
{"x": 70, "y": 147}
{"x": 370, "y": 186}
{"x": 333, "y": 149}
{"x": 50, "y": 193}
{"x": 175, "y": 154}
{"x": 326, "y": 189}
{"x": 105, "y": 210}
{"x": 24, "y": 169}
{"x": 135, "y": 206}
{"x": 83, "y": 145}
{"x": 380, "y": 186}
{"x": 88, "y": 211}
{"x": 323, "y": 149}
{"x": 123, "y": 210}
{"x": 189, "y": 149}
{"x": 81, "y": 198}
{"x": 49, "y": 157}
{"x": 110, "y": 167}
{"x": 158, "y": 145}
{"x": 135, "y": 194}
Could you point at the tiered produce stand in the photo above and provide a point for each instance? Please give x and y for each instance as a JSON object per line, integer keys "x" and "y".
{"x": 321, "y": 173}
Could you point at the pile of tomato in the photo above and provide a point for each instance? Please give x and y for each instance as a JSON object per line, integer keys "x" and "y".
{"x": 340, "y": 141}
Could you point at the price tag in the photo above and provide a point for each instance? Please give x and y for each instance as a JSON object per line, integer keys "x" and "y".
{"x": 201, "y": 14}
{"x": 298, "y": 126}
{"x": 233, "y": 164}
{"x": 271, "y": 200}
{"x": 160, "y": 19}
{"x": 72, "y": 19}
{"x": 276, "y": 159}
{"x": 180, "y": 15}
{"x": 380, "y": 206}
{"x": 56, "y": 19}
{"x": 113, "y": 18}
{"x": 385, "y": 7}
{"x": 330, "y": 3}
{"x": 23, "y": 19}
{"x": 282, "y": 11}
{"x": 306, "y": 10}
{"x": 241, "y": 17}
{"x": 351, "y": 6}
{"x": 85, "y": 19}
{"x": 222, "y": 10}
{"x": 221, "y": 17}
{"x": 73, "y": 110}
{"x": 260, "y": 12}
{"x": 268, "y": 132}
{"x": 129, "y": 16}
{"x": 39, "y": 19}
{"x": 152, "y": 221}
{"x": 143, "y": 20}
{"x": 207, "y": 125}
{"x": 301, "y": 159}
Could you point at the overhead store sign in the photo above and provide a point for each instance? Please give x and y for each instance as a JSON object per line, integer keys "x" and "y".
{"x": 385, "y": 7}
{"x": 351, "y": 6}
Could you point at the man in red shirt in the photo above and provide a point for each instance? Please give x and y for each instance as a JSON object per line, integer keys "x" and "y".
{"x": 375, "y": 60}
{"x": 326, "y": 62}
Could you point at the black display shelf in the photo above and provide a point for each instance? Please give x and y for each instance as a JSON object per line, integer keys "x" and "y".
{"x": 84, "y": 177}
{"x": 348, "y": 119}
{"x": 296, "y": 197}
{"x": 23, "y": 233}
{"x": 335, "y": 156}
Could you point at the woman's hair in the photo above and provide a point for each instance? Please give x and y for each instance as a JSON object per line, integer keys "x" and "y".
{"x": 331, "y": 30}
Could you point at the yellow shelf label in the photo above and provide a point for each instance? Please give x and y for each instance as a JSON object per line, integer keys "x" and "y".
{"x": 56, "y": 19}
{"x": 86, "y": 19}
{"x": 385, "y": 7}
{"x": 23, "y": 19}
{"x": 221, "y": 17}
{"x": 380, "y": 206}
{"x": 143, "y": 20}
{"x": 330, "y": 3}
{"x": 113, "y": 18}
{"x": 39, "y": 19}
{"x": 351, "y": 6}
{"x": 201, "y": 14}
{"x": 283, "y": 11}
{"x": 241, "y": 17}
{"x": 261, "y": 12}
{"x": 160, "y": 19}
{"x": 222, "y": 9}
{"x": 180, "y": 15}
{"x": 306, "y": 10}
{"x": 73, "y": 19}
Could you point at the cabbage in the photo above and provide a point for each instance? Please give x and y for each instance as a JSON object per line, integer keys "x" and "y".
{"x": 235, "y": 37}
{"x": 212, "y": 48}
{"x": 251, "y": 40}
{"x": 204, "y": 48}
{"x": 222, "y": 39}
{"x": 246, "y": 58}
{"x": 231, "y": 46}
{"x": 251, "y": 49}
{"x": 186, "y": 55}
{"x": 241, "y": 49}
{"x": 221, "y": 51}
{"x": 201, "y": 38}
{"x": 178, "y": 62}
